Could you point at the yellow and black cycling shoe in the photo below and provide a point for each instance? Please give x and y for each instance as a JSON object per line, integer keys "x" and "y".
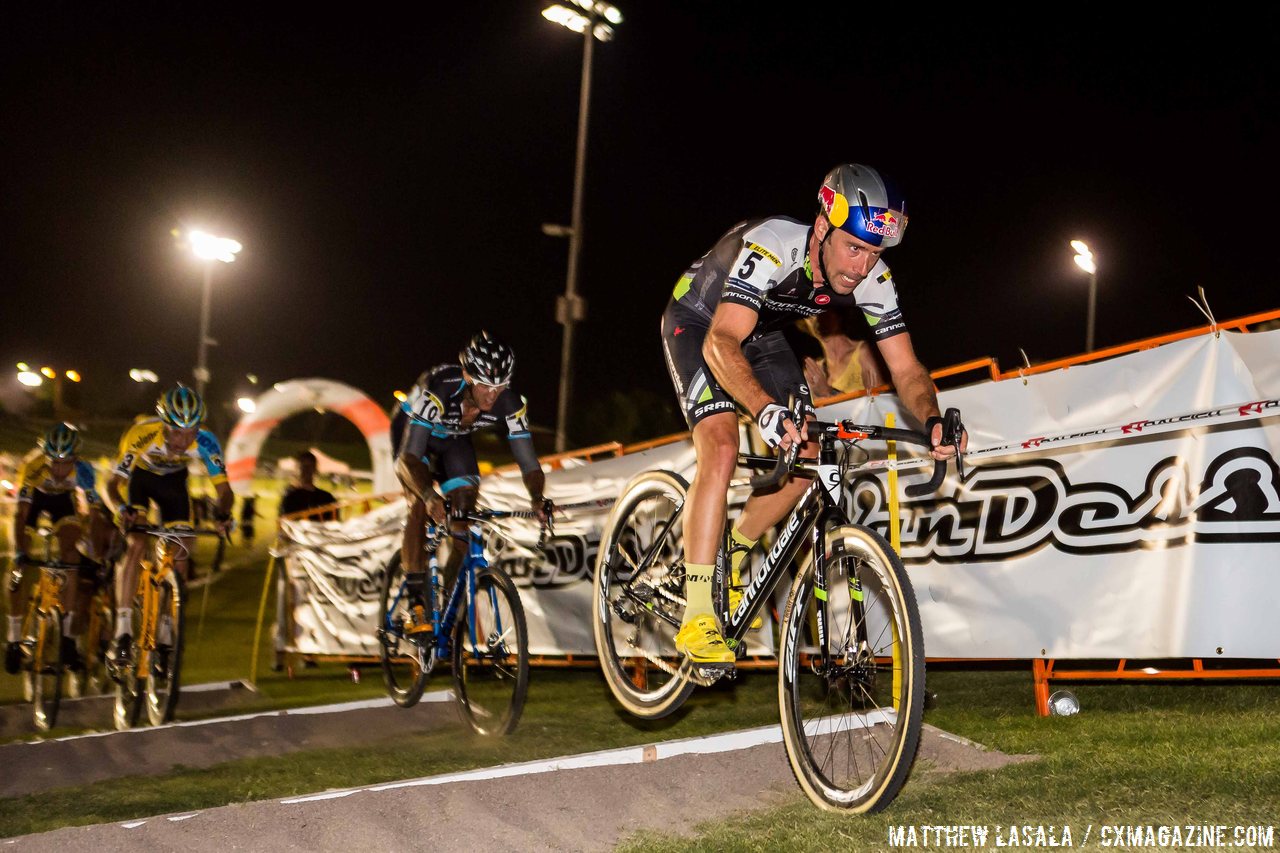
{"x": 700, "y": 641}
{"x": 418, "y": 621}
{"x": 735, "y": 598}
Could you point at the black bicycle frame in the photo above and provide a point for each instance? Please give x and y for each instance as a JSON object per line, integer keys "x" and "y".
{"x": 805, "y": 523}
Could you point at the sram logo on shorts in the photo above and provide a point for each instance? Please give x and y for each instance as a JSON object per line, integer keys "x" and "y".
{"x": 720, "y": 406}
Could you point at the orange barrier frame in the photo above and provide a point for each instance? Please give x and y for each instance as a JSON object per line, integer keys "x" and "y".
{"x": 1045, "y": 670}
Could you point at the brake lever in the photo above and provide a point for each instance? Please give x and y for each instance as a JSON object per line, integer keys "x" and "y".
{"x": 952, "y": 432}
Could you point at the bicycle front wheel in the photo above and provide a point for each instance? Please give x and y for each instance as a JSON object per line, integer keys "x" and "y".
{"x": 46, "y": 669}
{"x": 639, "y": 597}
{"x": 490, "y": 646}
{"x": 851, "y": 674}
{"x": 130, "y": 692}
{"x": 164, "y": 665}
{"x": 404, "y": 662}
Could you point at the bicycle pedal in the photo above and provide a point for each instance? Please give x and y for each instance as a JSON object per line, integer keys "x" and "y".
{"x": 714, "y": 671}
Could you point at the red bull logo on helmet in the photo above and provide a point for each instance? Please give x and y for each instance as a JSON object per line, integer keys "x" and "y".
{"x": 835, "y": 205}
{"x": 885, "y": 223}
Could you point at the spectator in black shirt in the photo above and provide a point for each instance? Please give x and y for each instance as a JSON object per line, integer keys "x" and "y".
{"x": 305, "y": 495}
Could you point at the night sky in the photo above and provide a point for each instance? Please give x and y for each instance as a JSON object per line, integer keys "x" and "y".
{"x": 388, "y": 174}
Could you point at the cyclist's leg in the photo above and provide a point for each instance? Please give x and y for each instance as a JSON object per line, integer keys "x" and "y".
{"x": 141, "y": 490}
{"x": 414, "y": 535}
{"x": 713, "y": 421}
{"x": 75, "y": 604}
{"x": 775, "y": 367}
{"x": 460, "y": 483}
{"x": 15, "y": 589}
{"x": 173, "y": 500}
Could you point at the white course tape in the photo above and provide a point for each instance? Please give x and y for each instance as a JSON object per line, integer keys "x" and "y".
{"x": 337, "y": 708}
{"x": 727, "y": 742}
{"x": 1241, "y": 413}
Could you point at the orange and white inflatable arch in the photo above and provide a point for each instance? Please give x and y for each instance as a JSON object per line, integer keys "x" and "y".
{"x": 298, "y": 395}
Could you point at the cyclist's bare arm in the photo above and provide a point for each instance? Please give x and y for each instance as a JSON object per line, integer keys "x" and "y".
{"x": 915, "y": 388}
{"x": 111, "y": 495}
{"x": 225, "y": 497}
{"x": 722, "y": 350}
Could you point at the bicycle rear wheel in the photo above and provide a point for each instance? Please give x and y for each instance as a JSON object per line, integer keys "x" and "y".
{"x": 164, "y": 666}
{"x": 491, "y": 672}
{"x": 405, "y": 663}
{"x": 851, "y": 696}
{"x": 46, "y": 669}
{"x": 635, "y": 620}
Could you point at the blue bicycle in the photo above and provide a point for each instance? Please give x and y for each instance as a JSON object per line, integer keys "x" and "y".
{"x": 479, "y": 628}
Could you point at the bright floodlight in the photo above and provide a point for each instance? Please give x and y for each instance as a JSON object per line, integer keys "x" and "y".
{"x": 31, "y": 380}
{"x": 1086, "y": 263}
{"x": 400, "y": 395}
{"x": 247, "y": 405}
{"x": 566, "y": 17}
{"x": 210, "y": 248}
{"x": 611, "y": 13}
{"x": 143, "y": 375}
{"x": 1081, "y": 247}
{"x": 73, "y": 375}
{"x": 22, "y": 365}
{"x": 49, "y": 373}
{"x": 593, "y": 16}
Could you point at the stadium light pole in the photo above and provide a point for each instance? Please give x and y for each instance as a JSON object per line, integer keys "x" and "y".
{"x": 208, "y": 249}
{"x": 1087, "y": 262}
{"x": 594, "y": 20}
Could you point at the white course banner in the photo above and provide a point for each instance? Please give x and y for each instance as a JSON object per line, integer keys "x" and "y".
{"x": 1128, "y": 508}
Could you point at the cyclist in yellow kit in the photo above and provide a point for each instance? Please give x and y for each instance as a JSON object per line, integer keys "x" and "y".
{"x": 153, "y": 459}
{"x": 47, "y": 485}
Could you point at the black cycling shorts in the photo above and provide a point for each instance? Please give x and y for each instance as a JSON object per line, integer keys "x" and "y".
{"x": 59, "y": 506}
{"x": 770, "y": 356}
{"x": 169, "y": 491}
{"x": 452, "y": 459}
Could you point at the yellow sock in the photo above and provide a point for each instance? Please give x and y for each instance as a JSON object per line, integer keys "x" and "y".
{"x": 735, "y": 564}
{"x": 697, "y": 590}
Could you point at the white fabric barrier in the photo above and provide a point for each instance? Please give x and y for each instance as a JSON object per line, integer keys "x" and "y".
{"x": 1097, "y": 519}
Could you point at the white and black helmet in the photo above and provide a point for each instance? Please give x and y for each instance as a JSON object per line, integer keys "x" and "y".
{"x": 487, "y": 360}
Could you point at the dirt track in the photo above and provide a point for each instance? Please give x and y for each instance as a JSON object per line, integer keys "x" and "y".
{"x": 533, "y": 808}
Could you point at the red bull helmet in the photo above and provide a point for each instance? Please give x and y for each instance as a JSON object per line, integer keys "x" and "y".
{"x": 854, "y": 199}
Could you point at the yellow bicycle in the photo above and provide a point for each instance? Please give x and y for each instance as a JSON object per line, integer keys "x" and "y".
{"x": 42, "y": 664}
{"x": 153, "y": 676}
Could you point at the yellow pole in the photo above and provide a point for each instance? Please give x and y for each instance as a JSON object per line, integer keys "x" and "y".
{"x": 262, "y": 609}
{"x": 895, "y": 539}
{"x": 895, "y": 516}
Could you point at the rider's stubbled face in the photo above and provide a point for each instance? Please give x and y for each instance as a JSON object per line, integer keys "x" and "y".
{"x": 485, "y": 396}
{"x": 848, "y": 260}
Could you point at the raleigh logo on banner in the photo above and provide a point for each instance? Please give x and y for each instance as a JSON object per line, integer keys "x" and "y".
{"x": 1005, "y": 510}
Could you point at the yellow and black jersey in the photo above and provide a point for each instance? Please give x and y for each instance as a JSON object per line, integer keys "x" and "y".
{"x": 144, "y": 447}
{"x": 36, "y": 475}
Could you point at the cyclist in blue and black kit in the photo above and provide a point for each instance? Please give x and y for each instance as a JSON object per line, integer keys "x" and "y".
{"x": 724, "y": 347}
{"x": 434, "y": 456}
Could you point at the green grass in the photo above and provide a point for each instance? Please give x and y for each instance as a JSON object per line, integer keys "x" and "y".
{"x": 1137, "y": 754}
